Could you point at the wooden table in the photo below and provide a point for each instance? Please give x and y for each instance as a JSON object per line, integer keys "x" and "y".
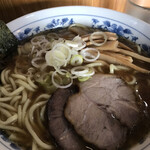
{"x": 11, "y": 9}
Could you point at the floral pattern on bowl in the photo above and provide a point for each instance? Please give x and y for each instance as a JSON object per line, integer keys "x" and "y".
{"x": 63, "y": 22}
{"x": 55, "y": 23}
{"x": 8, "y": 144}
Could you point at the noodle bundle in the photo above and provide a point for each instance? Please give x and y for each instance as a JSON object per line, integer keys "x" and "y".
{"x": 19, "y": 114}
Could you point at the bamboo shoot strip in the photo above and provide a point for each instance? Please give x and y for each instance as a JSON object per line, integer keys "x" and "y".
{"x": 114, "y": 60}
{"x": 135, "y": 55}
{"x": 110, "y": 36}
{"x": 123, "y": 46}
{"x": 119, "y": 56}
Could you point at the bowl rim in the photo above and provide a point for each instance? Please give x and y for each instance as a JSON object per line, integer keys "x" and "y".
{"x": 18, "y": 24}
{"x": 75, "y": 7}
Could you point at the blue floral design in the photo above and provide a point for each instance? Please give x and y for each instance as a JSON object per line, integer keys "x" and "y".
{"x": 146, "y": 48}
{"x": 4, "y": 137}
{"x": 54, "y": 23}
{"x": 27, "y": 30}
{"x": 59, "y": 23}
{"x": 134, "y": 38}
{"x": 127, "y": 31}
{"x": 23, "y": 35}
{"x": 95, "y": 21}
{"x": 106, "y": 23}
{"x": 37, "y": 29}
{"x": 50, "y": 25}
{"x": 64, "y": 20}
{"x": 14, "y": 146}
{"x": 71, "y": 21}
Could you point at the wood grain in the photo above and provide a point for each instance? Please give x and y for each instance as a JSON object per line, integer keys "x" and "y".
{"x": 12, "y": 9}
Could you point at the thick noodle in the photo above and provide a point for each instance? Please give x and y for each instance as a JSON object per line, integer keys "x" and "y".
{"x": 19, "y": 112}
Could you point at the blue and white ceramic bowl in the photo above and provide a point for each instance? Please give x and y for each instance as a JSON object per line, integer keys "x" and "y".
{"x": 122, "y": 24}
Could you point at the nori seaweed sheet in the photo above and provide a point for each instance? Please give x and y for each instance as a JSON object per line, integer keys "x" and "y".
{"x": 8, "y": 45}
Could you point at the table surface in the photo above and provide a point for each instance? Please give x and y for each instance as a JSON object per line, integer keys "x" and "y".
{"x": 12, "y": 9}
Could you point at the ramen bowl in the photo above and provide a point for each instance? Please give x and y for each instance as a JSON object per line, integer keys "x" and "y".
{"x": 124, "y": 25}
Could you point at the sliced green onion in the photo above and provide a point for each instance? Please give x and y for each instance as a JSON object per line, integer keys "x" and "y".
{"x": 132, "y": 81}
{"x": 35, "y": 60}
{"x": 90, "y": 73}
{"x": 83, "y": 79}
{"x": 74, "y": 52}
{"x": 38, "y": 39}
{"x": 64, "y": 49}
{"x": 113, "y": 67}
{"x": 98, "y": 34}
{"x": 76, "y": 60}
{"x": 49, "y": 58}
{"x": 80, "y": 42}
{"x": 82, "y": 71}
{"x": 90, "y": 54}
{"x": 69, "y": 75}
{"x": 55, "y": 42}
{"x": 79, "y": 70}
{"x": 52, "y": 36}
{"x": 139, "y": 49}
{"x": 59, "y": 70}
{"x": 57, "y": 84}
{"x": 71, "y": 43}
{"x": 77, "y": 43}
{"x": 59, "y": 56}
